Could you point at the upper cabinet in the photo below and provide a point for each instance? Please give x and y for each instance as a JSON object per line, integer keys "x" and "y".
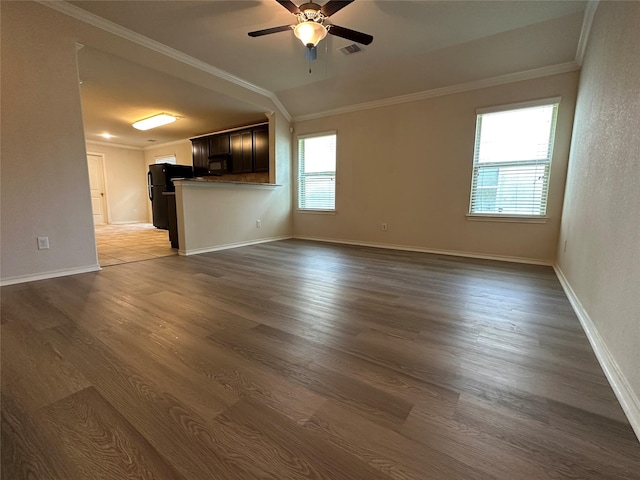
{"x": 246, "y": 150}
{"x": 200, "y": 149}
{"x": 261, "y": 149}
{"x": 219, "y": 144}
{"x": 241, "y": 152}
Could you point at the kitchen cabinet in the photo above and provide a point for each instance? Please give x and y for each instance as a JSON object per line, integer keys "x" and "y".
{"x": 261, "y": 149}
{"x": 200, "y": 149}
{"x": 219, "y": 144}
{"x": 241, "y": 152}
{"x": 246, "y": 150}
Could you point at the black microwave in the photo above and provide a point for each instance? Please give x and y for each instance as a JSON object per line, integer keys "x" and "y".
{"x": 217, "y": 166}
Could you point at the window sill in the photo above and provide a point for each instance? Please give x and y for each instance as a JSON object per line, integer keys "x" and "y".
{"x": 316, "y": 212}
{"x": 507, "y": 218}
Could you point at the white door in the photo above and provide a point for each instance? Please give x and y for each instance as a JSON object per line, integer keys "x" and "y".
{"x": 96, "y": 184}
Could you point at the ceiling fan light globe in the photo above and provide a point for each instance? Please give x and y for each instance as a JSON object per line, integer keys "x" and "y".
{"x": 310, "y": 33}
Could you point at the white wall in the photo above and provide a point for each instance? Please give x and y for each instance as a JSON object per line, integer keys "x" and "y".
{"x": 125, "y": 183}
{"x": 45, "y": 181}
{"x": 410, "y": 166}
{"x": 599, "y": 248}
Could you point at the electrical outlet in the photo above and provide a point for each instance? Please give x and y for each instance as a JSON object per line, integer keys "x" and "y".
{"x": 43, "y": 243}
{"x": 385, "y": 227}
{"x": 258, "y": 223}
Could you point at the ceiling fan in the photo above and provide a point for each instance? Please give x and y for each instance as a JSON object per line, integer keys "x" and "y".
{"x": 311, "y": 26}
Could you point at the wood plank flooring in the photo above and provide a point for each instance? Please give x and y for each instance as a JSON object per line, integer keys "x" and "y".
{"x": 299, "y": 360}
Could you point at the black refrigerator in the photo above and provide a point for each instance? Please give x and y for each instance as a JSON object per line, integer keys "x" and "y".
{"x": 159, "y": 180}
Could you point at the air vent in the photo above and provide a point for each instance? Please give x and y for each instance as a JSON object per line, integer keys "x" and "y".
{"x": 350, "y": 49}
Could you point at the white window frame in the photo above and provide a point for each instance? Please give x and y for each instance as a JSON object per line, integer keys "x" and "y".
{"x": 512, "y": 217}
{"x": 300, "y": 175}
{"x": 168, "y": 158}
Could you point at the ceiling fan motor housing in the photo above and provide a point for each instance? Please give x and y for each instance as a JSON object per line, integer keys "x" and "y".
{"x": 310, "y": 12}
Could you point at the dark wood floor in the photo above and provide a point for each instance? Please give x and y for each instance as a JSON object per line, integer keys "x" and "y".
{"x": 296, "y": 360}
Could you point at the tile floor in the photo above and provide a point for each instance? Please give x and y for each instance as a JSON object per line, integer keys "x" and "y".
{"x": 131, "y": 243}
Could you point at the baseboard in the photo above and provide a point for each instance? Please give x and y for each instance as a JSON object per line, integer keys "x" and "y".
{"x": 626, "y": 396}
{"x": 132, "y": 222}
{"x": 46, "y": 275}
{"x": 196, "y": 251}
{"x": 453, "y": 253}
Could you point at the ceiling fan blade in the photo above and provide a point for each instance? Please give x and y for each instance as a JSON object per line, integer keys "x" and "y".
{"x": 359, "y": 37}
{"x": 268, "y": 31}
{"x": 332, "y": 6}
{"x": 289, "y": 5}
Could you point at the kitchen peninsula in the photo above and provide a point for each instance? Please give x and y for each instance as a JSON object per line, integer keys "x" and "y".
{"x": 225, "y": 206}
{"x": 214, "y": 214}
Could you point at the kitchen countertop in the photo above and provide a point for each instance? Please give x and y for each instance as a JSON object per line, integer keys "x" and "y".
{"x": 212, "y": 181}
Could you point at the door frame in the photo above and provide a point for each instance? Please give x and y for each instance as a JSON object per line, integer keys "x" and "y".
{"x": 103, "y": 171}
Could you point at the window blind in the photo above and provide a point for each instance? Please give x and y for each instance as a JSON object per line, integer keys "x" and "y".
{"x": 512, "y": 160}
{"x": 166, "y": 159}
{"x": 317, "y": 172}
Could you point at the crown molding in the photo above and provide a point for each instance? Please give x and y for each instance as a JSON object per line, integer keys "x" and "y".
{"x": 114, "y": 145}
{"x": 587, "y": 21}
{"x": 450, "y": 90}
{"x": 115, "y": 29}
{"x": 146, "y": 148}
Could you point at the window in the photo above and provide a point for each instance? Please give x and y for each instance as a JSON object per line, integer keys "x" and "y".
{"x": 317, "y": 172}
{"x": 166, "y": 159}
{"x": 512, "y": 159}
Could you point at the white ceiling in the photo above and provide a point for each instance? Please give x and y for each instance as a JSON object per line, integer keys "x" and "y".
{"x": 418, "y": 46}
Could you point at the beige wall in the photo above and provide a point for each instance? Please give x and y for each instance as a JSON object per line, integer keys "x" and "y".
{"x": 599, "y": 248}
{"x": 125, "y": 183}
{"x": 181, "y": 149}
{"x": 409, "y": 165}
{"x": 45, "y": 182}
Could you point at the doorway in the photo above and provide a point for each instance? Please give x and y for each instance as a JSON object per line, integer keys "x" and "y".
{"x": 120, "y": 243}
{"x": 95, "y": 164}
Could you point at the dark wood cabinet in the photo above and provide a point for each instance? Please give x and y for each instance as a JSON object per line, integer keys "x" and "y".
{"x": 200, "y": 149}
{"x": 219, "y": 144}
{"x": 241, "y": 151}
{"x": 246, "y": 150}
{"x": 261, "y": 149}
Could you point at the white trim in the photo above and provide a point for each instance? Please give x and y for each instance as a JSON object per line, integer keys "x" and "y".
{"x": 452, "y": 253}
{"x": 450, "y": 90}
{"x": 227, "y": 246}
{"x": 478, "y": 217}
{"x": 628, "y": 399}
{"x": 115, "y": 145}
{"x": 115, "y": 29}
{"x": 315, "y": 211}
{"x": 517, "y": 106}
{"x": 326, "y": 133}
{"x": 162, "y": 145}
{"x": 587, "y": 21}
{"x": 129, "y": 222}
{"x": 234, "y": 129}
{"x": 105, "y": 186}
{"x": 46, "y": 275}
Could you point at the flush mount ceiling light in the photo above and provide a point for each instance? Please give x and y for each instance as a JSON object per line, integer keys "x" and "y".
{"x": 155, "y": 121}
